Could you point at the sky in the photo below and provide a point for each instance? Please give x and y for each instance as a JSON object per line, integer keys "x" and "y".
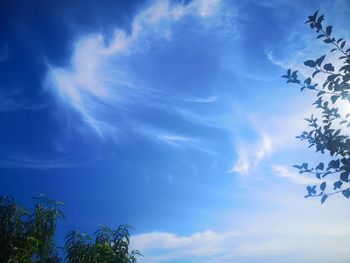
{"x": 170, "y": 116}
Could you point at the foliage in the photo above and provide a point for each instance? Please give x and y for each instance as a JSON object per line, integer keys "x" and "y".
{"x": 108, "y": 246}
{"x": 28, "y": 236}
{"x": 329, "y": 133}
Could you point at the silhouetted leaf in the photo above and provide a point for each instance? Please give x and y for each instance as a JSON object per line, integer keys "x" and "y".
{"x": 344, "y": 176}
{"x": 342, "y": 44}
{"x": 310, "y": 63}
{"x": 346, "y": 193}
{"x": 334, "y": 98}
{"x": 328, "y": 67}
{"x": 311, "y": 190}
{"x": 307, "y": 81}
{"x": 320, "y": 166}
{"x": 324, "y": 198}
{"x": 320, "y": 60}
{"x": 337, "y": 185}
{"x": 334, "y": 164}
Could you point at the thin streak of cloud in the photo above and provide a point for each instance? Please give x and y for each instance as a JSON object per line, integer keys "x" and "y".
{"x": 12, "y": 100}
{"x": 294, "y": 177}
{"x": 211, "y": 99}
{"x": 28, "y": 163}
{"x": 175, "y": 140}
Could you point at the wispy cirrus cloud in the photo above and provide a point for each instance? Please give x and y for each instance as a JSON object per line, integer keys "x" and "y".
{"x": 38, "y": 164}
{"x": 210, "y": 99}
{"x": 284, "y": 172}
{"x": 97, "y": 83}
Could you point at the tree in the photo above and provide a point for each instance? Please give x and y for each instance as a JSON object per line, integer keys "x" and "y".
{"x": 328, "y": 128}
{"x": 28, "y": 236}
{"x": 108, "y": 246}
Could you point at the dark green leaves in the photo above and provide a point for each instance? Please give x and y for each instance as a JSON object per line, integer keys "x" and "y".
{"x": 337, "y": 185}
{"x": 342, "y": 44}
{"x": 346, "y": 193}
{"x": 320, "y": 166}
{"x": 320, "y": 60}
{"x": 28, "y": 236}
{"x": 334, "y": 98}
{"x": 334, "y": 164}
{"x": 307, "y": 81}
{"x": 344, "y": 176}
{"x": 328, "y": 67}
{"x": 311, "y": 190}
{"x": 324, "y": 198}
{"x": 322, "y": 134}
{"x": 310, "y": 63}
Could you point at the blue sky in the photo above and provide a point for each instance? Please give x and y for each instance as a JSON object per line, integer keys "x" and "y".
{"x": 170, "y": 116}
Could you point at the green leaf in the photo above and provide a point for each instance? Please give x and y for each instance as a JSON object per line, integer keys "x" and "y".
{"x": 320, "y": 93}
{"x": 324, "y": 198}
{"x": 320, "y": 60}
{"x": 342, "y": 44}
{"x": 307, "y": 81}
{"x": 346, "y": 193}
{"x": 328, "y": 67}
{"x": 334, "y": 98}
{"x": 316, "y": 72}
{"x": 334, "y": 164}
{"x": 320, "y": 166}
{"x": 337, "y": 185}
{"x": 310, "y": 63}
{"x": 344, "y": 176}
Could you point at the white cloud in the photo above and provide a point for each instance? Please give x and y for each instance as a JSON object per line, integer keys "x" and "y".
{"x": 174, "y": 139}
{"x": 95, "y": 80}
{"x": 242, "y": 164}
{"x": 250, "y": 155}
{"x": 203, "y": 100}
{"x": 264, "y": 149}
{"x": 275, "y": 224}
{"x": 162, "y": 246}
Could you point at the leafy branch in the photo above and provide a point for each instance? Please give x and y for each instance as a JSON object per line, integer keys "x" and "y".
{"x": 322, "y": 135}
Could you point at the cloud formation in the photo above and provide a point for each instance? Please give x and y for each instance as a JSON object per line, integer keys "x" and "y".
{"x": 96, "y": 83}
{"x": 272, "y": 234}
